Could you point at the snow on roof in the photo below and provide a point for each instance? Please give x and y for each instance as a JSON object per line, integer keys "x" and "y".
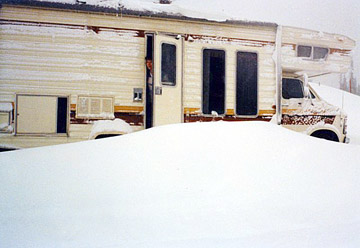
{"x": 217, "y": 184}
{"x": 177, "y": 9}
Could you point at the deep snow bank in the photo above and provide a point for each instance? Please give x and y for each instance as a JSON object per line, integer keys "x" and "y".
{"x": 218, "y": 184}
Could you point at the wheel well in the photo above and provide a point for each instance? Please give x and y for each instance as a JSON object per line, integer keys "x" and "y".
{"x": 5, "y": 149}
{"x": 326, "y": 134}
{"x": 102, "y": 136}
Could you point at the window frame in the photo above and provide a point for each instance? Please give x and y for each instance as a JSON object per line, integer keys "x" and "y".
{"x": 312, "y": 52}
{"x": 55, "y": 134}
{"x": 258, "y": 78}
{"x": 202, "y": 79}
{"x": 327, "y": 54}
{"x": 176, "y": 64}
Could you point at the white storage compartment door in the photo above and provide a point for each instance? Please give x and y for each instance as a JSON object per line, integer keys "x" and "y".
{"x": 36, "y": 114}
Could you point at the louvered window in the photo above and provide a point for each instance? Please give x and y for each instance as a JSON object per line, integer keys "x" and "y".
{"x": 92, "y": 107}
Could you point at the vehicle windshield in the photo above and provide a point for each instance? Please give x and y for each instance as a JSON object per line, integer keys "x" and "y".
{"x": 292, "y": 88}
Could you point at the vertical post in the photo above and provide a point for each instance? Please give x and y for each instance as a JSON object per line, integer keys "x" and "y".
{"x": 351, "y": 73}
{"x": 277, "y": 58}
{"x": 182, "y": 76}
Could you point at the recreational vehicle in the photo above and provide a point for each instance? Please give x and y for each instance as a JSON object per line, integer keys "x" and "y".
{"x": 65, "y": 67}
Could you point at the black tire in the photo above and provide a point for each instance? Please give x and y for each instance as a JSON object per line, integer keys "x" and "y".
{"x": 325, "y": 134}
{"x": 102, "y": 136}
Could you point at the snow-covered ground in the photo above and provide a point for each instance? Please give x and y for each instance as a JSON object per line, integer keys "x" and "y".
{"x": 217, "y": 184}
{"x": 349, "y": 102}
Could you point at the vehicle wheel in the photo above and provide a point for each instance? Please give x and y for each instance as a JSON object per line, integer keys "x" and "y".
{"x": 325, "y": 134}
{"x": 102, "y": 136}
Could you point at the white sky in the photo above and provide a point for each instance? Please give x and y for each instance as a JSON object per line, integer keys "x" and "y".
{"x": 327, "y": 15}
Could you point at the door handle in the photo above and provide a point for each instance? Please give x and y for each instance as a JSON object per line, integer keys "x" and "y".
{"x": 158, "y": 90}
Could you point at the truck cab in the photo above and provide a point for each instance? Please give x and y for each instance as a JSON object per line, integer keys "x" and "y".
{"x": 303, "y": 110}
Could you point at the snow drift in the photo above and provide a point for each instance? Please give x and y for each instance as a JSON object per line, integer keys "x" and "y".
{"x": 248, "y": 184}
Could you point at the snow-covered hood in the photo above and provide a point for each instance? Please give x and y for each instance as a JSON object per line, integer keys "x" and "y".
{"x": 318, "y": 107}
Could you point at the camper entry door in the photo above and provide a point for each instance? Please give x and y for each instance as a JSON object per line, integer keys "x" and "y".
{"x": 167, "y": 80}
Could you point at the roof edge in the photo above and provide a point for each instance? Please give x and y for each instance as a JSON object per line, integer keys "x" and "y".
{"x": 121, "y": 10}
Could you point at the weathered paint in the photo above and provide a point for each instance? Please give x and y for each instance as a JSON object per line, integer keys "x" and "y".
{"x": 74, "y": 53}
{"x": 306, "y": 120}
{"x": 197, "y": 118}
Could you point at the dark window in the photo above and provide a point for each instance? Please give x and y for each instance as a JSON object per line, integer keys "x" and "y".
{"x": 320, "y": 52}
{"x": 304, "y": 51}
{"x": 246, "y": 83}
{"x": 62, "y": 106}
{"x": 168, "y": 64}
{"x": 149, "y": 47}
{"x": 292, "y": 88}
{"x": 213, "y": 81}
{"x": 312, "y": 52}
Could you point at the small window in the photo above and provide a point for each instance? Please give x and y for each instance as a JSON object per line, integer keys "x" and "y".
{"x": 213, "y": 81}
{"x": 310, "y": 52}
{"x": 292, "y": 88}
{"x": 168, "y": 64}
{"x": 246, "y": 83}
{"x": 320, "y": 52}
{"x": 304, "y": 51}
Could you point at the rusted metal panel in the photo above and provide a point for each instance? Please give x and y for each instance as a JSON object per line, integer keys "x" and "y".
{"x": 344, "y": 52}
{"x": 306, "y": 119}
{"x": 131, "y": 118}
{"x": 228, "y": 40}
{"x": 197, "y": 118}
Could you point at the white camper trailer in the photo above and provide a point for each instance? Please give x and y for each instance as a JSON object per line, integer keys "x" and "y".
{"x": 65, "y": 67}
